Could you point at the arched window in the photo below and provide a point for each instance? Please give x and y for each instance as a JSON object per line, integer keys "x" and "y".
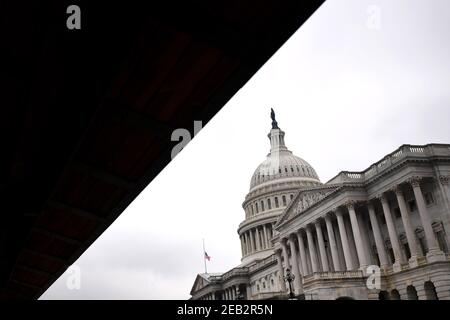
{"x": 253, "y": 213}
{"x": 262, "y": 205}
{"x": 269, "y": 204}
{"x": 430, "y": 291}
{"x": 284, "y": 200}
{"x": 411, "y": 292}
{"x": 257, "y": 209}
{"x": 285, "y": 169}
{"x": 292, "y": 196}
{"x": 395, "y": 295}
{"x": 383, "y": 295}
{"x": 276, "y": 202}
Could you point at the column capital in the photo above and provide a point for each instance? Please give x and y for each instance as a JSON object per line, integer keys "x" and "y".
{"x": 292, "y": 236}
{"x": 327, "y": 216}
{"x": 444, "y": 180}
{"x": 350, "y": 204}
{"x": 397, "y": 190}
{"x": 382, "y": 197}
{"x": 317, "y": 222}
{"x": 369, "y": 204}
{"x": 337, "y": 211}
{"x": 414, "y": 181}
{"x": 300, "y": 231}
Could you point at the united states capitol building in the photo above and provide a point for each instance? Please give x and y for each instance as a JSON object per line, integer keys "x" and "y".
{"x": 382, "y": 233}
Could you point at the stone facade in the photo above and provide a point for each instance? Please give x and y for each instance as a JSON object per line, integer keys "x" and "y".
{"x": 382, "y": 233}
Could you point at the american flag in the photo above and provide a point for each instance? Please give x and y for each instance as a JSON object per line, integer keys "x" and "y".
{"x": 207, "y": 257}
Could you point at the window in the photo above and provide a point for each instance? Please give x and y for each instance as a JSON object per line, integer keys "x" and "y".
{"x": 262, "y": 205}
{"x": 440, "y": 235}
{"x": 257, "y": 287}
{"x": 407, "y": 251}
{"x": 292, "y": 196}
{"x": 420, "y": 236}
{"x": 429, "y": 199}
{"x": 269, "y": 204}
{"x": 382, "y": 219}
{"x": 442, "y": 241}
{"x": 412, "y": 205}
{"x": 276, "y": 202}
{"x": 257, "y": 209}
{"x": 391, "y": 255}
{"x": 284, "y": 200}
{"x": 292, "y": 169}
{"x": 397, "y": 213}
{"x": 279, "y": 170}
{"x": 285, "y": 169}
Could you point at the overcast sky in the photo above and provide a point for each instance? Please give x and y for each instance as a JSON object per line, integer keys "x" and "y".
{"x": 356, "y": 81}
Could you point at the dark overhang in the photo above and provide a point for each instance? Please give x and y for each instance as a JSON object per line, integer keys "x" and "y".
{"x": 87, "y": 114}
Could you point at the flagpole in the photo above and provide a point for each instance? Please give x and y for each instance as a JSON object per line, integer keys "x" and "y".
{"x": 204, "y": 257}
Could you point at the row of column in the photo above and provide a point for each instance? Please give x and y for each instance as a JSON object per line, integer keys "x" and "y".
{"x": 229, "y": 293}
{"x": 256, "y": 239}
{"x": 351, "y": 241}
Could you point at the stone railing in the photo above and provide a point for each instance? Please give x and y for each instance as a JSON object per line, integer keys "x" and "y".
{"x": 236, "y": 272}
{"x": 262, "y": 263}
{"x": 391, "y": 159}
{"x": 353, "y": 274}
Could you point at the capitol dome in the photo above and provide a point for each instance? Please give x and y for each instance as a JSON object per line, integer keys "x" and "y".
{"x": 281, "y": 164}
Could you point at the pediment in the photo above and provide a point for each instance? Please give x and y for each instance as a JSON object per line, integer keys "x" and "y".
{"x": 304, "y": 200}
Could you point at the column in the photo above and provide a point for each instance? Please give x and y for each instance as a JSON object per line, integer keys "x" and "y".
{"x": 344, "y": 240}
{"x": 392, "y": 232}
{"x": 247, "y": 243}
{"x": 266, "y": 238}
{"x": 280, "y": 271}
{"x": 242, "y": 245}
{"x": 312, "y": 249}
{"x": 333, "y": 246}
{"x": 301, "y": 248}
{"x": 433, "y": 246}
{"x": 357, "y": 235}
{"x": 257, "y": 239}
{"x": 379, "y": 242}
{"x": 298, "y": 287}
{"x": 285, "y": 253}
{"x": 252, "y": 245}
{"x": 412, "y": 244}
{"x": 322, "y": 251}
